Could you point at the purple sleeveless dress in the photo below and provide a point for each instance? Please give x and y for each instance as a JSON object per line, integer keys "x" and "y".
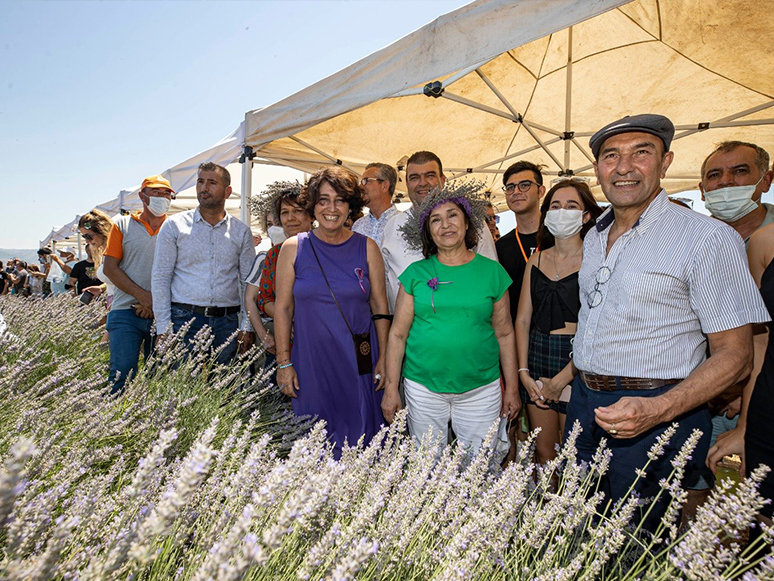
{"x": 323, "y": 351}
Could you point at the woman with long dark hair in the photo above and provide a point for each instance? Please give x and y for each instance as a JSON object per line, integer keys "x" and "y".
{"x": 548, "y": 310}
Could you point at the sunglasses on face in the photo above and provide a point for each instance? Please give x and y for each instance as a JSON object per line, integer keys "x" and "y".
{"x": 88, "y": 237}
{"x": 495, "y": 219}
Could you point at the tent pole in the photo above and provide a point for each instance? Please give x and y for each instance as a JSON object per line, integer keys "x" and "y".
{"x": 543, "y": 145}
{"x": 582, "y": 150}
{"x": 320, "y": 152}
{"x": 568, "y": 100}
{"x": 692, "y": 130}
{"x": 80, "y": 246}
{"x": 514, "y": 116}
{"x": 480, "y": 168}
{"x": 246, "y": 159}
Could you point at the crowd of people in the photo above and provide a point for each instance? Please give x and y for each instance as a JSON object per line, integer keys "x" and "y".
{"x": 626, "y": 319}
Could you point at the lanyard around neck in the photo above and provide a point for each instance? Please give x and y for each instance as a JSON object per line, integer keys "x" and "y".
{"x": 521, "y": 246}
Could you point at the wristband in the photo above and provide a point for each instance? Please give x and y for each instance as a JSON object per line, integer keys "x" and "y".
{"x": 377, "y": 317}
{"x": 285, "y": 366}
{"x": 523, "y": 369}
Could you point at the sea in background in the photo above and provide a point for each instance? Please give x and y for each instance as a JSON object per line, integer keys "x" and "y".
{"x": 26, "y": 254}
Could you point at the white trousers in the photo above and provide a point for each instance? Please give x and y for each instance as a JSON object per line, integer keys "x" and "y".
{"x": 471, "y": 413}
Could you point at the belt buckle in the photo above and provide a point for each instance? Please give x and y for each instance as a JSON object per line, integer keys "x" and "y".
{"x": 207, "y": 312}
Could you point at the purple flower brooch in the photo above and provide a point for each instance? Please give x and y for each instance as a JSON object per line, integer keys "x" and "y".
{"x": 433, "y": 284}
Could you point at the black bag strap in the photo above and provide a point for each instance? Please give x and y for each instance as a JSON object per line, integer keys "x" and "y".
{"x": 329, "y": 284}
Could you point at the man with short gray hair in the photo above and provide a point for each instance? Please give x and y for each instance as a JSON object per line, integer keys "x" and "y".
{"x": 379, "y": 181}
{"x": 733, "y": 178}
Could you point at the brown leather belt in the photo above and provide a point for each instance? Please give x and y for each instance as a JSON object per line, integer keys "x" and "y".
{"x": 613, "y": 383}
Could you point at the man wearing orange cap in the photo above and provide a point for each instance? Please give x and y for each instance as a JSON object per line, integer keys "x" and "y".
{"x": 128, "y": 262}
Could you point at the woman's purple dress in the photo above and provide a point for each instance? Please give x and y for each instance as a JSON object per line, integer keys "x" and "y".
{"x": 323, "y": 350}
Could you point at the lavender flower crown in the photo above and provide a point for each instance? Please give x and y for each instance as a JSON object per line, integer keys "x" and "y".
{"x": 468, "y": 194}
{"x": 263, "y": 205}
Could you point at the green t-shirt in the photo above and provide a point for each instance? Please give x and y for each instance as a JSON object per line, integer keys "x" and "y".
{"x": 454, "y": 349}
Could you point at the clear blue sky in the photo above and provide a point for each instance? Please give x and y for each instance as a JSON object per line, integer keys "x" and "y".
{"x": 96, "y": 95}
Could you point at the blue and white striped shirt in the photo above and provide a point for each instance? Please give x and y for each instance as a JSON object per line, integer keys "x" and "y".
{"x": 373, "y": 227}
{"x": 675, "y": 276}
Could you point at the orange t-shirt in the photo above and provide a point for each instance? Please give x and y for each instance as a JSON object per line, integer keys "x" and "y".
{"x": 115, "y": 242}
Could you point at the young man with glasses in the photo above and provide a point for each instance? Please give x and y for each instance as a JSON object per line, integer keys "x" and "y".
{"x": 379, "y": 180}
{"x": 658, "y": 282}
{"x": 424, "y": 173}
{"x": 523, "y": 187}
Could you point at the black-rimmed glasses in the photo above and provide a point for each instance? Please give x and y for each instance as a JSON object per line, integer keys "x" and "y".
{"x": 523, "y": 185}
{"x": 490, "y": 219}
{"x": 602, "y": 276}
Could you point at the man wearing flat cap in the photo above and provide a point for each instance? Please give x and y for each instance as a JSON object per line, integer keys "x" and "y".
{"x": 658, "y": 282}
{"x": 129, "y": 264}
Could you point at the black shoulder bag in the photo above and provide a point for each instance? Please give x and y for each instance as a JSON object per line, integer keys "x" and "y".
{"x": 362, "y": 341}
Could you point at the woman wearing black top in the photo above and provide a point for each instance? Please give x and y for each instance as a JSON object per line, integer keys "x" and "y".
{"x": 751, "y": 439}
{"x": 548, "y": 310}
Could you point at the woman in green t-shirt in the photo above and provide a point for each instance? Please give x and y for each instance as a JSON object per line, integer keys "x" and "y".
{"x": 453, "y": 324}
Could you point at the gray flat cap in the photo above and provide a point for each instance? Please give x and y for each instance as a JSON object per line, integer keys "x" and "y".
{"x": 657, "y": 125}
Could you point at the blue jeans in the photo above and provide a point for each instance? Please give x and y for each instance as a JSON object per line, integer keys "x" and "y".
{"x": 128, "y": 334}
{"x": 222, "y": 328}
{"x": 631, "y": 453}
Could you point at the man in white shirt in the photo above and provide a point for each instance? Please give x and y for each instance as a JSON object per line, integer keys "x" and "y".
{"x": 202, "y": 260}
{"x": 424, "y": 173}
{"x": 379, "y": 181}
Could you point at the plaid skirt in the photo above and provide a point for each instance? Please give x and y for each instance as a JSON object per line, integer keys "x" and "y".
{"x": 548, "y": 355}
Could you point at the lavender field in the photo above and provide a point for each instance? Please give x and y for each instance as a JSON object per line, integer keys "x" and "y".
{"x": 200, "y": 473}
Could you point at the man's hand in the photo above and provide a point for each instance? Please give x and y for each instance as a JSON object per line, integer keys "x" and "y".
{"x": 733, "y": 408}
{"x": 142, "y": 312}
{"x": 245, "y": 340}
{"x": 728, "y": 443}
{"x": 256, "y": 239}
{"x": 628, "y": 417}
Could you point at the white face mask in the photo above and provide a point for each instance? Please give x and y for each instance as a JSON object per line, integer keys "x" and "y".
{"x": 158, "y": 206}
{"x": 564, "y": 223}
{"x": 276, "y": 235}
{"x": 732, "y": 203}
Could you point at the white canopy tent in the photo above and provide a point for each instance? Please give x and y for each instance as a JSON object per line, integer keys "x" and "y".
{"x": 182, "y": 177}
{"x": 500, "y": 80}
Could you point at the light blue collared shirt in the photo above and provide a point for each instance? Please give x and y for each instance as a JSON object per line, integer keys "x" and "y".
{"x": 199, "y": 264}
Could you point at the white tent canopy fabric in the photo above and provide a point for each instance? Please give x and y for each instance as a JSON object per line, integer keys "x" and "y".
{"x": 182, "y": 177}
{"x": 501, "y": 80}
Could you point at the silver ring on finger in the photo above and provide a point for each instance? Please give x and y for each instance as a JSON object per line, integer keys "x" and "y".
{"x": 378, "y": 376}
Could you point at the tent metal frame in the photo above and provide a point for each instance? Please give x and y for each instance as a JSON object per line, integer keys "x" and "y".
{"x": 439, "y": 89}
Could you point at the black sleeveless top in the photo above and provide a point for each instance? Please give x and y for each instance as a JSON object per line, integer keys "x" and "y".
{"x": 554, "y": 302}
{"x": 761, "y": 410}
